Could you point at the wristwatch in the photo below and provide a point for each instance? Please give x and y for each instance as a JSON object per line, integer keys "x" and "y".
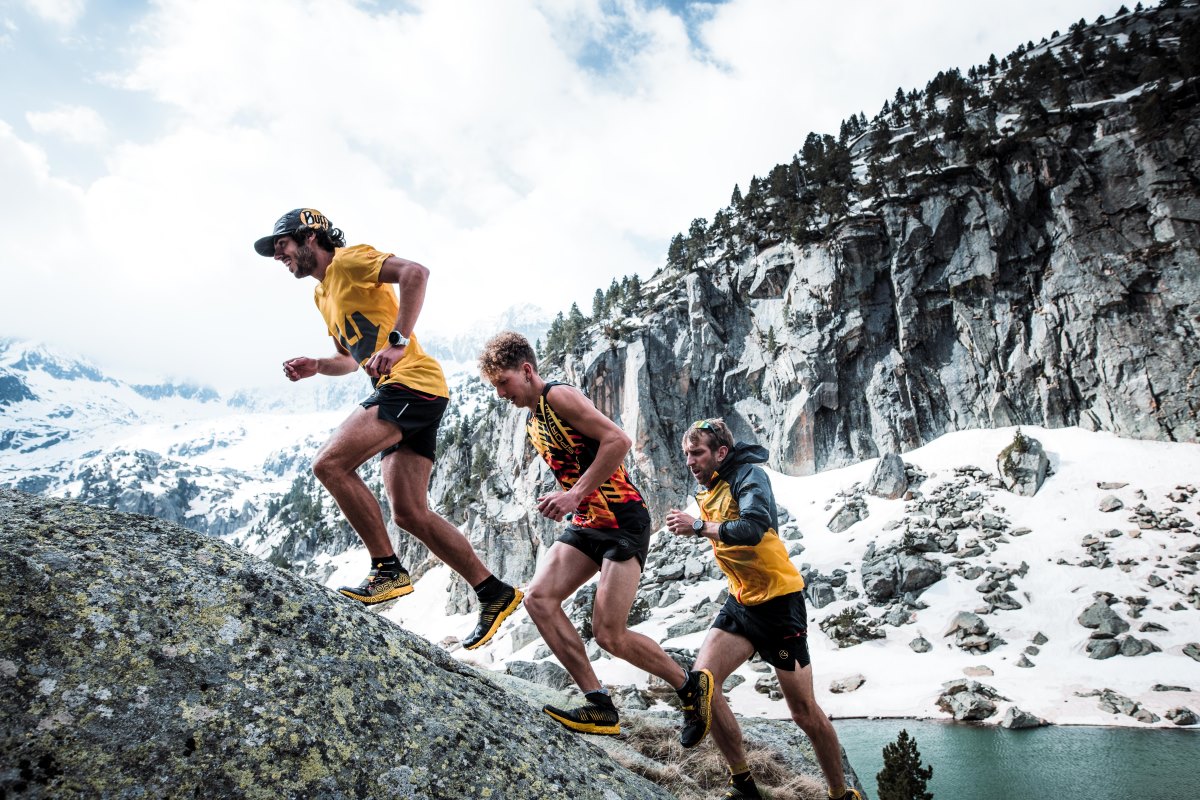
{"x": 397, "y": 339}
{"x": 698, "y": 526}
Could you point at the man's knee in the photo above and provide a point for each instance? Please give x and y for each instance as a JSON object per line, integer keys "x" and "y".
{"x": 806, "y": 713}
{"x": 327, "y": 468}
{"x": 540, "y": 603}
{"x": 610, "y": 636}
{"x": 410, "y": 519}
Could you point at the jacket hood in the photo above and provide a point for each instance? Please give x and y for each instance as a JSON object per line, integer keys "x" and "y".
{"x": 742, "y": 453}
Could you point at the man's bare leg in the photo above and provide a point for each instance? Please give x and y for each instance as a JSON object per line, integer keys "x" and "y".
{"x": 357, "y": 439}
{"x": 797, "y": 688}
{"x": 406, "y": 478}
{"x": 561, "y": 573}
{"x": 722, "y": 653}
{"x": 614, "y": 598}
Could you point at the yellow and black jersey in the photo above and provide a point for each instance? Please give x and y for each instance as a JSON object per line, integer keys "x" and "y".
{"x": 360, "y": 312}
{"x": 617, "y": 503}
{"x": 749, "y": 550}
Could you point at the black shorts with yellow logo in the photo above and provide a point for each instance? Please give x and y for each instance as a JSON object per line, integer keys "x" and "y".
{"x": 778, "y": 628}
{"x": 416, "y": 414}
{"x": 615, "y": 544}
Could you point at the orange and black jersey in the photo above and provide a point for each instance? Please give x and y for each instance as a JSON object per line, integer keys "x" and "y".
{"x": 617, "y": 503}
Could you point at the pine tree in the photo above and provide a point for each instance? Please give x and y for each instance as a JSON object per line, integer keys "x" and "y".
{"x": 902, "y": 776}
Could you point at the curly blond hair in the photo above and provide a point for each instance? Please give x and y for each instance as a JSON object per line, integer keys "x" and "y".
{"x": 507, "y": 350}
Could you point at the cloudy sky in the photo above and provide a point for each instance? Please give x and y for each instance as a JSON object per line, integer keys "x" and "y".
{"x": 523, "y": 150}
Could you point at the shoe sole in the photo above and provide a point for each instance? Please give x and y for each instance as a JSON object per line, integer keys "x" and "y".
{"x": 372, "y": 599}
{"x": 705, "y": 701}
{"x": 584, "y": 727}
{"x": 503, "y": 615}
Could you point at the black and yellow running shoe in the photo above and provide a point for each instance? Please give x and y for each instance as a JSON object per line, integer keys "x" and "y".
{"x": 741, "y": 790}
{"x": 491, "y": 614}
{"x": 379, "y": 586}
{"x": 588, "y": 718}
{"x": 695, "y": 698}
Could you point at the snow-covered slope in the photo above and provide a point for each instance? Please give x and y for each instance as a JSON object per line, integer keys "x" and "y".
{"x": 1150, "y": 572}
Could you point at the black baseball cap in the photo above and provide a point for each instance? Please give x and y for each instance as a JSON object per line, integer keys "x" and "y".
{"x": 293, "y": 220}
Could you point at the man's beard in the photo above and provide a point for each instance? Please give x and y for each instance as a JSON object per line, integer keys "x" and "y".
{"x": 306, "y": 261}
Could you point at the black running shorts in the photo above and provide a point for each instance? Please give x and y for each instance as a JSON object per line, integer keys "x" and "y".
{"x": 615, "y": 544}
{"x": 416, "y": 414}
{"x": 778, "y": 628}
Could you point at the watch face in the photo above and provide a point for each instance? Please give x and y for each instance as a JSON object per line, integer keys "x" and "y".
{"x": 698, "y": 525}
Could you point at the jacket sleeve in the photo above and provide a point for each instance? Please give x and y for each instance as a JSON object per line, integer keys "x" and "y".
{"x": 752, "y": 490}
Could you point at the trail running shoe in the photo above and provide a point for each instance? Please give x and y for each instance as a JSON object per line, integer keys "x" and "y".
{"x": 491, "y": 614}
{"x": 379, "y": 587}
{"x": 851, "y": 794}
{"x": 588, "y": 718}
{"x": 697, "y": 708}
{"x": 749, "y": 790}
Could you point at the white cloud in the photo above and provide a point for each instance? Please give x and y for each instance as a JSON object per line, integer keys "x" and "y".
{"x": 464, "y": 134}
{"x": 60, "y": 12}
{"x": 73, "y": 123}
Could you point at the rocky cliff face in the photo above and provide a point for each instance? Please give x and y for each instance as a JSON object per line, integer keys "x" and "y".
{"x": 1039, "y": 267}
{"x": 139, "y": 658}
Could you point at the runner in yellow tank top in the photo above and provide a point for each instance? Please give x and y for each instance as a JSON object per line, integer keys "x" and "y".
{"x": 373, "y": 329}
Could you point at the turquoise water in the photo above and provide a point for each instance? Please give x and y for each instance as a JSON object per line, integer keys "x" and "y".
{"x": 988, "y": 763}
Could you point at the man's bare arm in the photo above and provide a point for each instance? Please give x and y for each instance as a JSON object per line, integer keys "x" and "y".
{"x": 410, "y": 279}
{"x": 340, "y": 363}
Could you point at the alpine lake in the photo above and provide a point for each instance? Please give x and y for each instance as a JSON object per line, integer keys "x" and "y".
{"x": 984, "y": 762}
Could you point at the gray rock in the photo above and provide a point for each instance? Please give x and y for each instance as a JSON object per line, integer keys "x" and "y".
{"x": 920, "y": 645}
{"x": 547, "y": 673}
{"x": 1102, "y": 648}
{"x": 1022, "y": 465}
{"x": 819, "y": 594}
{"x": 967, "y": 700}
{"x": 1016, "y": 719}
{"x": 888, "y": 479}
{"x": 1192, "y": 650}
{"x": 852, "y": 511}
{"x": 1039, "y": 638}
{"x": 1111, "y": 503}
{"x": 769, "y": 685}
{"x": 1131, "y": 646}
{"x": 1159, "y": 687}
{"x": 1182, "y": 716}
{"x": 888, "y": 574}
{"x": 1101, "y": 618}
{"x": 697, "y": 622}
{"x": 523, "y": 634}
{"x": 967, "y": 623}
{"x": 247, "y": 676}
{"x": 843, "y": 685}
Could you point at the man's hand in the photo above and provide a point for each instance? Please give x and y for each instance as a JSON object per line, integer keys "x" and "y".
{"x": 680, "y": 524}
{"x": 382, "y": 362}
{"x": 297, "y": 368}
{"x": 557, "y": 505}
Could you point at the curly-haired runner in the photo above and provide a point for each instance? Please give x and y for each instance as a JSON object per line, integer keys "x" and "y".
{"x": 608, "y": 532}
{"x": 374, "y": 330}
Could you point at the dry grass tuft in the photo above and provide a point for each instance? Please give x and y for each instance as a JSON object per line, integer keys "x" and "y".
{"x": 701, "y": 773}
